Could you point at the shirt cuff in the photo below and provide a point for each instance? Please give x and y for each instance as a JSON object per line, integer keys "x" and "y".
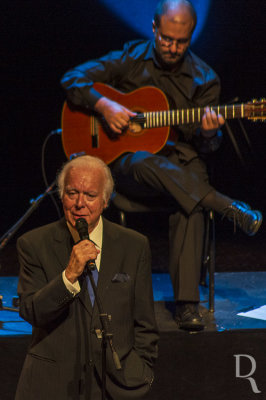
{"x": 73, "y": 288}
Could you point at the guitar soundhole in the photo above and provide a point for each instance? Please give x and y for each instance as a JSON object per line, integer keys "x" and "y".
{"x": 134, "y": 127}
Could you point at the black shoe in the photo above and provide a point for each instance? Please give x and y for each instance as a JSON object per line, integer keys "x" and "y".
{"x": 248, "y": 220}
{"x": 188, "y": 317}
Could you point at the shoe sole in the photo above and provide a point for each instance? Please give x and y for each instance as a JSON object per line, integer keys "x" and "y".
{"x": 257, "y": 224}
{"x": 190, "y": 326}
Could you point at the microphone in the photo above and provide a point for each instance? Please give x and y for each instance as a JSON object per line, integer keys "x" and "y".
{"x": 82, "y": 228}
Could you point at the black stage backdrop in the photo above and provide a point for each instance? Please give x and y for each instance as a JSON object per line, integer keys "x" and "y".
{"x": 41, "y": 40}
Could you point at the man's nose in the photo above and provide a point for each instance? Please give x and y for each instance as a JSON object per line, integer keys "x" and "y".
{"x": 173, "y": 47}
{"x": 80, "y": 200}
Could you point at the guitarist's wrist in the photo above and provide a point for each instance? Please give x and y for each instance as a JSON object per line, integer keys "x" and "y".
{"x": 100, "y": 105}
{"x": 208, "y": 144}
{"x": 209, "y": 134}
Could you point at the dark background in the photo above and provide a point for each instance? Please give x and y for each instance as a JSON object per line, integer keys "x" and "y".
{"x": 43, "y": 39}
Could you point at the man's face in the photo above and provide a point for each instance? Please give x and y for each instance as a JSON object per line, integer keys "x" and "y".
{"x": 83, "y": 195}
{"x": 172, "y": 37}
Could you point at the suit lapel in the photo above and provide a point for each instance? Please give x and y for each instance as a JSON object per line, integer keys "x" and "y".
{"x": 61, "y": 244}
{"x": 110, "y": 258}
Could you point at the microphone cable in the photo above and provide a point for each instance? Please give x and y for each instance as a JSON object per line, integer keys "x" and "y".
{"x": 44, "y": 175}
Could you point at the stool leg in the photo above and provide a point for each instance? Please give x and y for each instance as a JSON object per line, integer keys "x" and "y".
{"x": 211, "y": 262}
{"x": 206, "y": 252}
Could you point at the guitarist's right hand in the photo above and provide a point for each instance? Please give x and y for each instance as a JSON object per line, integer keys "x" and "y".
{"x": 116, "y": 115}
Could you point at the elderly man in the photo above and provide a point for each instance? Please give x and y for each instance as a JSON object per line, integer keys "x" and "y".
{"x": 64, "y": 360}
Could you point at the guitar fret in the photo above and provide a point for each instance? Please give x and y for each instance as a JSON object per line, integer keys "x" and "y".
{"x": 187, "y": 116}
{"x": 182, "y": 116}
{"x": 199, "y": 115}
{"x": 218, "y": 110}
{"x": 225, "y": 112}
{"x": 193, "y": 115}
{"x": 233, "y": 111}
{"x": 242, "y": 110}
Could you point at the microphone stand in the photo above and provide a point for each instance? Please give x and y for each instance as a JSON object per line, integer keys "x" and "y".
{"x": 34, "y": 204}
{"x": 105, "y": 334}
{"x": 8, "y": 235}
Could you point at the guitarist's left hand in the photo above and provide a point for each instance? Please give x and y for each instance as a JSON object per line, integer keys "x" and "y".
{"x": 210, "y": 123}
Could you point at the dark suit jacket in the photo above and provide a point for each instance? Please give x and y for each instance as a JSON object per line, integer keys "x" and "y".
{"x": 65, "y": 352}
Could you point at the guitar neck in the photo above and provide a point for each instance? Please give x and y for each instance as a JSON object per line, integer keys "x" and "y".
{"x": 191, "y": 116}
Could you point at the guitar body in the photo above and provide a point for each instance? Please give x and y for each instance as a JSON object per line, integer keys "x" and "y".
{"x": 87, "y": 132}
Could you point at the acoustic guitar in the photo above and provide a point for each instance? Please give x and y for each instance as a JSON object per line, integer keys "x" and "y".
{"x": 87, "y": 132}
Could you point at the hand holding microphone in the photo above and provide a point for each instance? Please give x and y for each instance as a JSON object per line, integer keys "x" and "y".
{"x": 83, "y": 255}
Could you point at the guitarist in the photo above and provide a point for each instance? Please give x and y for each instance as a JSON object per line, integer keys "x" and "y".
{"x": 179, "y": 172}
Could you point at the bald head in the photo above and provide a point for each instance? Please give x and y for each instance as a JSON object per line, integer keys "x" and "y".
{"x": 178, "y": 12}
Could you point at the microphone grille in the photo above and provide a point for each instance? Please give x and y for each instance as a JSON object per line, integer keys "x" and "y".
{"x": 82, "y": 228}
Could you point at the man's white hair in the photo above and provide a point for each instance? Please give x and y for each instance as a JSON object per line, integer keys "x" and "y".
{"x": 89, "y": 162}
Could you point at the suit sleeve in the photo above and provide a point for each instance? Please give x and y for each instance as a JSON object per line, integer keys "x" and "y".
{"x": 44, "y": 297}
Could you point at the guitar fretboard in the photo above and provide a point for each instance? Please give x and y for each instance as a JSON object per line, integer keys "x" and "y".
{"x": 194, "y": 115}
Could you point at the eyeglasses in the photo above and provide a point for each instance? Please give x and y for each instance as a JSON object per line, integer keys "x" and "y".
{"x": 168, "y": 42}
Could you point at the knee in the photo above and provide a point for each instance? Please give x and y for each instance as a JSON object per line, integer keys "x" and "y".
{"x": 140, "y": 160}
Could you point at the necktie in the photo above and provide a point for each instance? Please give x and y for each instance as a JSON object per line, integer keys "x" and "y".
{"x": 90, "y": 289}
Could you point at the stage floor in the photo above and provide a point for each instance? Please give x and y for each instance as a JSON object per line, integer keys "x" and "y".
{"x": 190, "y": 366}
{"x": 235, "y": 293}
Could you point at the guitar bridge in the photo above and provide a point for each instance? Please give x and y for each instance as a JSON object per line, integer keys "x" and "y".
{"x": 95, "y": 141}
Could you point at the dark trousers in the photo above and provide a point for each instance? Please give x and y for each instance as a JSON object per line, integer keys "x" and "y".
{"x": 184, "y": 183}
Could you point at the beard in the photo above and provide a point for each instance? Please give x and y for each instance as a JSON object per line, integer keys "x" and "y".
{"x": 168, "y": 60}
